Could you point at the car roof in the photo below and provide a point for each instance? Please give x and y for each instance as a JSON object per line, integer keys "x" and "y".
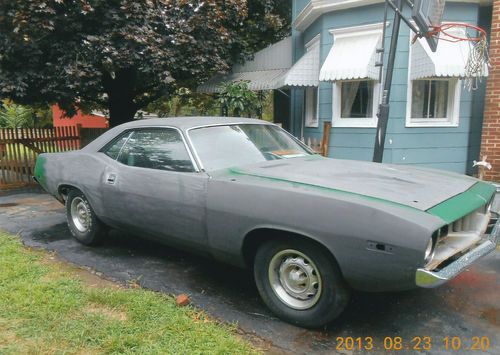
{"x": 185, "y": 123}
{"x": 181, "y": 123}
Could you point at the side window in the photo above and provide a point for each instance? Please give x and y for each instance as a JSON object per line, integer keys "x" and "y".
{"x": 113, "y": 148}
{"x": 156, "y": 148}
{"x": 311, "y": 107}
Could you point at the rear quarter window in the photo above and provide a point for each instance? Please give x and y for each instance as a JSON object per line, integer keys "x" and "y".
{"x": 113, "y": 148}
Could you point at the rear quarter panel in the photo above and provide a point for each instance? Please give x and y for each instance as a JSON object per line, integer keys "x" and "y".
{"x": 79, "y": 169}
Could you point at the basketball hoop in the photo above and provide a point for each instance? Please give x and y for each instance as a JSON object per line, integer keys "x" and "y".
{"x": 478, "y": 60}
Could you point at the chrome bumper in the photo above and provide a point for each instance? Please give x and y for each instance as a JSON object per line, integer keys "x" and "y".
{"x": 429, "y": 279}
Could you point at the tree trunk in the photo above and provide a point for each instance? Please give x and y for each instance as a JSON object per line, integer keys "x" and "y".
{"x": 121, "y": 111}
{"x": 121, "y": 93}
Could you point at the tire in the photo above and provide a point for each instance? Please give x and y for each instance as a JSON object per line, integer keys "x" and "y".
{"x": 82, "y": 221}
{"x": 286, "y": 272}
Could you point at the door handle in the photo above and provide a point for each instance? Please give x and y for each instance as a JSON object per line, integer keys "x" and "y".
{"x": 111, "y": 179}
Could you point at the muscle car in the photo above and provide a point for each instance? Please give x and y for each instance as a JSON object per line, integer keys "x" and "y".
{"x": 246, "y": 192}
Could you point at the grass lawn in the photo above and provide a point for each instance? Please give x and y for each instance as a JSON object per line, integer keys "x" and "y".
{"x": 47, "y": 307}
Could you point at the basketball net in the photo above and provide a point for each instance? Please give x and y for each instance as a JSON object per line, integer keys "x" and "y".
{"x": 478, "y": 61}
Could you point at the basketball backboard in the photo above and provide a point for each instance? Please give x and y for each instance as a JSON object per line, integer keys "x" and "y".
{"x": 427, "y": 15}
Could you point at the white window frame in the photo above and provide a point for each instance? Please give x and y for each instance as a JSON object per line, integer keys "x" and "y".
{"x": 311, "y": 112}
{"x": 338, "y": 121}
{"x": 366, "y": 122}
{"x": 453, "y": 109}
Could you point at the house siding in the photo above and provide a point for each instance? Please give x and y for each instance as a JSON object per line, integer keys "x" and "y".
{"x": 59, "y": 119}
{"x": 298, "y": 7}
{"x": 450, "y": 148}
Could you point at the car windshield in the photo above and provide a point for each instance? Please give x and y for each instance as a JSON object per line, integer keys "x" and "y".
{"x": 221, "y": 147}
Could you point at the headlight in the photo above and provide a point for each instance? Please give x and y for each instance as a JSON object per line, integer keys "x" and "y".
{"x": 429, "y": 251}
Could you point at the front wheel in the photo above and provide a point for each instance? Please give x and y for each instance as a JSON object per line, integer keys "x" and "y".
{"x": 82, "y": 221}
{"x": 300, "y": 282}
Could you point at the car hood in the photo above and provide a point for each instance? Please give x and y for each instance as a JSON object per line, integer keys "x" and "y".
{"x": 419, "y": 188}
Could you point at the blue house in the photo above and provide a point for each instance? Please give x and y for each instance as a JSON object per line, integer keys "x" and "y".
{"x": 333, "y": 77}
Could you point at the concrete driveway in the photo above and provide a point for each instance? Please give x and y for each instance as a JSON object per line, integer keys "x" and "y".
{"x": 466, "y": 307}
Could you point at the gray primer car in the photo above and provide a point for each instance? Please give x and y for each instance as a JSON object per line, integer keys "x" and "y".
{"x": 310, "y": 227}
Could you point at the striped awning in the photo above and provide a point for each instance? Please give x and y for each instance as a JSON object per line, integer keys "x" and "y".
{"x": 352, "y": 57}
{"x": 449, "y": 60}
{"x": 263, "y": 72}
{"x": 305, "y": 72}
{"x": 257, "y": 80}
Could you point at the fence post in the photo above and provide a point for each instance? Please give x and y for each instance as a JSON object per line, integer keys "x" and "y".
{"x": 325, "y": 142}
{"x": 79, "y": 134}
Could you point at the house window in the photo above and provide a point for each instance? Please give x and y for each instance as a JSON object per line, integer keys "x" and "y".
{"x": 433, "y": 91}
{"x": 429, "y": 99}
{"x": 356, "y": 99}
{"x": 352, "y": 66}
{"x": 311, "y": 107}
{"x": 432, "y": 103}
{"x": 355, "y": 103}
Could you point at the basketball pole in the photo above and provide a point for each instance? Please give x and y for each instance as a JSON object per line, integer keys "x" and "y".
{"x": 383, "y": 108}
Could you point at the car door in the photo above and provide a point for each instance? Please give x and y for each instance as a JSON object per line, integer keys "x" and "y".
{"x": 151, "y": 186}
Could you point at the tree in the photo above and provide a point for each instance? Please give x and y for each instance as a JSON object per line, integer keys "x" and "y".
{"x": 122, "y": 55}
{"x": 236, "y": 98}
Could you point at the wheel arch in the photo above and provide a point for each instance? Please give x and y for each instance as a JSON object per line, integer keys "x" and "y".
{"x": 254, "y": 238}
{"x": 63, "y": 191}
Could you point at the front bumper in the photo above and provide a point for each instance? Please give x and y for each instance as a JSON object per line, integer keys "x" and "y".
{"x": 429, "y": 279}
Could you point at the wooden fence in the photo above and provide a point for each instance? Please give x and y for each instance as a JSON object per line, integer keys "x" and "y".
{"x": 20, "y": 147}
{"x": 321, "y": 145}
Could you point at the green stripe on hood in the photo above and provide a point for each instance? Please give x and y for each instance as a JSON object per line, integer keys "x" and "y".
{"x": 237, "y": 171}
{"x": 460, "y": 205}
{"x": 449, "y": 210}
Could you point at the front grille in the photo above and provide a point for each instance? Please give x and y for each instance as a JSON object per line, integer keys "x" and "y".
{"x": 469, "y": 223}
{"x": 459, "y": 237}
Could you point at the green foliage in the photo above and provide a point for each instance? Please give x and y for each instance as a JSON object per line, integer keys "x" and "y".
{"x": 268, "y": 106}
{"x": 238, "y": 99}
{"x": 43, "y": 116}
{"x": 48, "y": 308}
{"x": 185, "y": 102}
{"x": 124, "y": 54}
{"x": 18, "y": 116}
{"x": 15, "y": 116}
{"x": 188, "y": 103}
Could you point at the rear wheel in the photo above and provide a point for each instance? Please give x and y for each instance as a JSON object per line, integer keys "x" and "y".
{"x": 82, "y": 221}
{"x": 300, "y": 282}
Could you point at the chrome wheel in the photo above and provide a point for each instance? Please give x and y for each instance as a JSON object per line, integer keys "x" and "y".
{"x": 81, "y": 215}
{"x": 295, "y": 279}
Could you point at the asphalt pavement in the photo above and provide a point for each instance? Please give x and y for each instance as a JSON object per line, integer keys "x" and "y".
{"x": 465, "y": 308}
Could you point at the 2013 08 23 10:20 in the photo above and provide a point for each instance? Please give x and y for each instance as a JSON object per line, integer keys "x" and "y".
{"x": 416, "y": 343}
